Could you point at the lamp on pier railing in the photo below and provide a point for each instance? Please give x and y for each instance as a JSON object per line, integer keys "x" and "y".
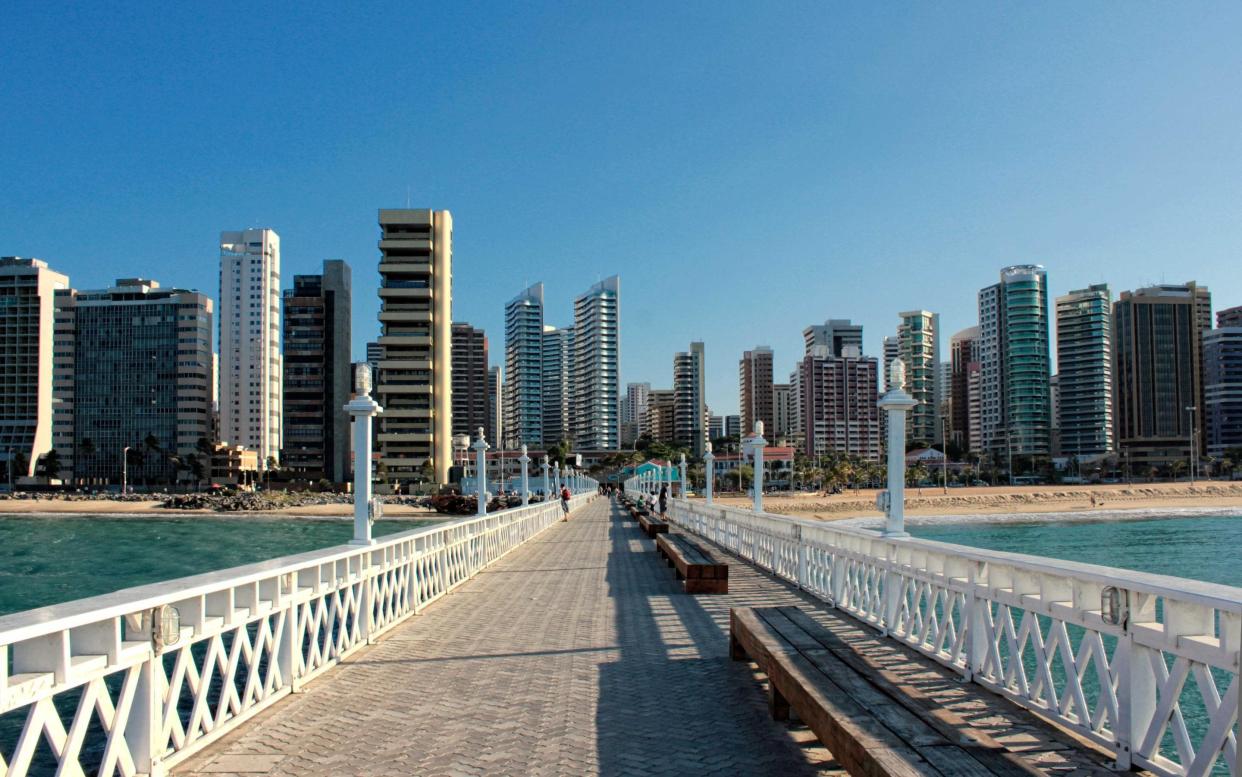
{"x": 709, "y": 472}
{"x": 524, "y": 460}
{"x": 896, "y": 402}
{"x": 363, "y": 409}
{"x": 480, "y": 452}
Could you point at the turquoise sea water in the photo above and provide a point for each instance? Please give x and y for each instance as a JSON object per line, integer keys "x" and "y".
{"x": 1205, "y": 548}
{"x": 46, "y": 560}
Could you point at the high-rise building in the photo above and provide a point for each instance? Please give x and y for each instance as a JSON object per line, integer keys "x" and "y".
{"x": 132, "y": 370}
{"x": 963, "y": 351}
{"x": 755, "y": 389}
{"x": 784, "y": 408}
{"x": 835, "y": 334}
{"x": 317, "y": 374}
{"x": 1222, "y": 386}
{"x": 715, "y": 427}
{"x": 892, "y": 349}
{"x": 659, "y": 422}
{"x": 838, "y": 401}
{"x": 1229, "y": 317}
{"x": 595, "y": 377}
{"x": 918, "y": 344}
{"x": 375, "y": 355}
{"x": 690, "y": 404}
{"x": 416, "y": 317}
{"x": 523, "y": 397}
{"x": 470, "y": 362}
{"x": 1015, "y": 359}
{"x": 733, "y": 426}
{"x": 250, "y": 357}
{"x": 27, "y": 319}
{"x": 633, "y": 411}
{"x": 1157, "y": 346}
{"x": 1084, "y": 416}
{"x": 557, "y": 354}
{"x": 495, "y": 429}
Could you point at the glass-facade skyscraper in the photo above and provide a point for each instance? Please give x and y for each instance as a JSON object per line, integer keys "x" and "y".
{"x": 523, "y": 388}
{"x": 1085, "y": 371}
{"x": 595, "y": 375}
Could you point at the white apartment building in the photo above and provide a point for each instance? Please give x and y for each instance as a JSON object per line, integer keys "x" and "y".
{"x": 27, "y": 313}
{"x": 250, "y": 358}
{"x": 595, "y": 382}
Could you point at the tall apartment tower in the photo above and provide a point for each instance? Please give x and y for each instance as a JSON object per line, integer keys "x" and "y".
{"x": 784, "y": 409}
{"x": 470, "y": 403}
{"x": 633, "y": 411}
{"x": 523, "y": 399}
{"x": 1222, "y": 384}
{"x": 250, "y": 357}
{"x": 133, "y": 369}
{"x": 595, "y": 377}
{"x": 918, "y": 343}
{"x": 375, "y": 355}
{"x": 891, "y": 349}
{"x": 495, "y": 428}
{"x": 836, "y": 334}
{"x": 659, "y": 422}
{"x": 838, "y": 402}
{"x": 755, "y": 384}
{"x": 557, "y": 355}
{"x": 1085, "y": 371}
{"x": 27, "y": 319}
{"x": 689, "y": 399}
{"x": 1157, "y": 346}
{"x": 318, "y": 375}
{"x": 416, "y": 318}
{"x": 1015, "y": 359}
{"x": 963, "y": 352}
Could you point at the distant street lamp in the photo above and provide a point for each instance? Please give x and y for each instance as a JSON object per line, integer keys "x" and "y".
{"x": 1194, "y": 449}
{"x": 124, "y": 470}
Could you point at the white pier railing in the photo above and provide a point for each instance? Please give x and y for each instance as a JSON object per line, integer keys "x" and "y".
{"x": 135, "y": 681}
{"x": 1145, "y": 666}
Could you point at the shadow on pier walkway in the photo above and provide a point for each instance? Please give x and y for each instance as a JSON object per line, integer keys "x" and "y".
{"x": 579, "y": 654}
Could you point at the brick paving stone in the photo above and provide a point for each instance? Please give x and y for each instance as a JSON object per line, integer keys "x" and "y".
{"x": 578, "y": 653}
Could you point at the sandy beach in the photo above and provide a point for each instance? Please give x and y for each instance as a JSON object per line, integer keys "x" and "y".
{"x": 111, "y": 507}
{"x": 993, "y": 500}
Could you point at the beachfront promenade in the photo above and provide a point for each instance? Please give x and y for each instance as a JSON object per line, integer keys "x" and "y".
{"x": 578, "y": 653}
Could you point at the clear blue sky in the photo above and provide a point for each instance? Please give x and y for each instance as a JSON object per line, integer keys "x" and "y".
{"x": 748, "y": 169}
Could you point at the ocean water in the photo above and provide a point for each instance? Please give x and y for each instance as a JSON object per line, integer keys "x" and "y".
{"x": 45, "y": 559}
{"x": 1204, "y": 547}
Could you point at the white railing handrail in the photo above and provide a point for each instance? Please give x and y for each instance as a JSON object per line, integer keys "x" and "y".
{"x": 1126, "y": 659}
{"x": 148, "y": 660}
{"x": 1217, "y": 595}
{"x": 28, "y": 624}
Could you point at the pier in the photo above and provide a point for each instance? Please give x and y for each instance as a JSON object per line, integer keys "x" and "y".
{"x": 517, "y": 643}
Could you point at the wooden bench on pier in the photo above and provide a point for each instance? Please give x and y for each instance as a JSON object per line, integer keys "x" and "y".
{"x": 871, "y": 722}
{"x": 651, "y": 524}
{"x": 697, "y": 568}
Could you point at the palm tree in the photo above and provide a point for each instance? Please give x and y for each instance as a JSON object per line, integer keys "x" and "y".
{"x": 49, "y": 464}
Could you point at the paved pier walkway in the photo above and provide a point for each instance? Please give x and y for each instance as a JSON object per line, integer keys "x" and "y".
{"x": 579, "y": 654}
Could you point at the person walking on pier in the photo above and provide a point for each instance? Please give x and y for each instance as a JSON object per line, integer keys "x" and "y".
{"x": 565, "y": 501}
{"x": 663, "y": 500}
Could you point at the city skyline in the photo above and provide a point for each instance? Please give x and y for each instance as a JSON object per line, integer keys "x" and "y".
{"x": 1103, "y": 166}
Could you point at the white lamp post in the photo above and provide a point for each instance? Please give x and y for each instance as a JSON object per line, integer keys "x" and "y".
{"x": 546, "y": 490}
{"x": 480, "y": 453}
{"x": 757, "y": 444}
{"x": 556, "y": 478}
{"x": 363, "y": 409}
{"x": 524, "y": 460}
{"x": 709, "y": 467}
{"x": 896, "y": 403}
{"x": 683, "y": 476}
{"x": 124, "y": 470}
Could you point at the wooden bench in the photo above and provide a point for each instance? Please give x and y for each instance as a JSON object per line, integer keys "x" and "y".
{"x": 651, "y": 524}
{"x": 871, "y": 722}
{"x": 696, "y": 567}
